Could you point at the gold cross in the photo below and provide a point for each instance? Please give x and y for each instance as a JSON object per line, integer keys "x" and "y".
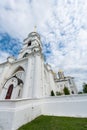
{"x": 35, "y": 27}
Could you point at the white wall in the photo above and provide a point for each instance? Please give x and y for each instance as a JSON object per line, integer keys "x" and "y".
{"x": 74, "y": 105}
{"x": 15, "y": 113}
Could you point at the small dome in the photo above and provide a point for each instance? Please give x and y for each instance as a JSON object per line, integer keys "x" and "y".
{"x": 34, "y": 34}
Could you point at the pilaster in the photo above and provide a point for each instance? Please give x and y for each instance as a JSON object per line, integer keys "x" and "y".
{"x": 27, "y": 89}
{"x": 37, "y": 90}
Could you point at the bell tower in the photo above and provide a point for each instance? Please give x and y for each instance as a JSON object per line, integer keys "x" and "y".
{"x": 31, "y": 44}
{"x": 32, "y": 57}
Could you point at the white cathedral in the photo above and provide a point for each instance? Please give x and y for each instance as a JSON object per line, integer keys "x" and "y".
{"x": 29, "y": 77}
{"x": 27, "y": 85}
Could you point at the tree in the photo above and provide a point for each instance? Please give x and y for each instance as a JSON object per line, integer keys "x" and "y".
{"x": 66, "y": 91}
{"x": 79, "y": 92}
{"x": 84, "y": 88}
{"x": 52, "y": 93}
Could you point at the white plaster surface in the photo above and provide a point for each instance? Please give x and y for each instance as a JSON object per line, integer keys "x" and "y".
{"x": 15, "y": 113}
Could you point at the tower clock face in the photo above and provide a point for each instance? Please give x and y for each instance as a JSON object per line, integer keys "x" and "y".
{"x": 13, "y": 81}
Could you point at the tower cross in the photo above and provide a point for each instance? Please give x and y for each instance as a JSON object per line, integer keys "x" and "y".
{"x": 35, "y": 27}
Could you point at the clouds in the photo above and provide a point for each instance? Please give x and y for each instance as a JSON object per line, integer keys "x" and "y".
{"x": 9, "y": 45}
{"x": 19, "y": 17}
{"x": 62, "y": 25}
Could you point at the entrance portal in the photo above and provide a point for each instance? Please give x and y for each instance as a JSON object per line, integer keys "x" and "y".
{"x": 9, "y": 92}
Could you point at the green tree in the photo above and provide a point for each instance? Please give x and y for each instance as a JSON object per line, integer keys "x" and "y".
{"x": 79, "y": 92}
{"x": 52, "y": 93}
{"x": 84, "y": 88}
{"x": 66, "y": 91}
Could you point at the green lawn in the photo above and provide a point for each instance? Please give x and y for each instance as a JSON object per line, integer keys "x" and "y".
{"x": 56, "y": 123}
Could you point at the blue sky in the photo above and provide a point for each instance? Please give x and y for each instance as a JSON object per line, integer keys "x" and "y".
{"x": 62, "y": 25}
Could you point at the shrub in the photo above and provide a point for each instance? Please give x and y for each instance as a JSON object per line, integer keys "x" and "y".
{"x": 85, "y": 88}
{"x": 58, "y": 93}
{"x": 80, "y": 92}
{"x": 52, "y": 93}
{"x": 66, "y": 91}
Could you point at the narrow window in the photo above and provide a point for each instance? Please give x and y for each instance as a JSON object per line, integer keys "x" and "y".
{"x": 25, "y": 55}
{"x": 19, "y": 92}
{"x": 29, "y": 43}
{"x": 72, "y": 92}
{"x": 69, "y": 81}
{"x": 9, "y": 92}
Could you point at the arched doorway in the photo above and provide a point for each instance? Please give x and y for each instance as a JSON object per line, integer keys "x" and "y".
{"x": 9, "y": 92}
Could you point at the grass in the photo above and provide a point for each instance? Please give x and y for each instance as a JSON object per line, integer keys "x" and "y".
{"x": 56, "y": 123}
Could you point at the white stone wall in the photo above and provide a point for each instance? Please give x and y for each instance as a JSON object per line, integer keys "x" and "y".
{"x": 52, "y": 82}
{"x": 49, "y": 83}
{"x": 73, "y": 106}
{"x": 47, "y": 88}
{"x": 15, "y": 113}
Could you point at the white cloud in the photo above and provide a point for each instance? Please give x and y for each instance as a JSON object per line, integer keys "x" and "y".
{"x": 20, "y": 17}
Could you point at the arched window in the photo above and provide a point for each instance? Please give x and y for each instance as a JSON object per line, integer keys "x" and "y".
{"x": 9, "y": 92}
{"x": 25, "y": 55}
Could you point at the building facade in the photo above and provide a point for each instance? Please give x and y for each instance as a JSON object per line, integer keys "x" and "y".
{"x": 63, "y": 81}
